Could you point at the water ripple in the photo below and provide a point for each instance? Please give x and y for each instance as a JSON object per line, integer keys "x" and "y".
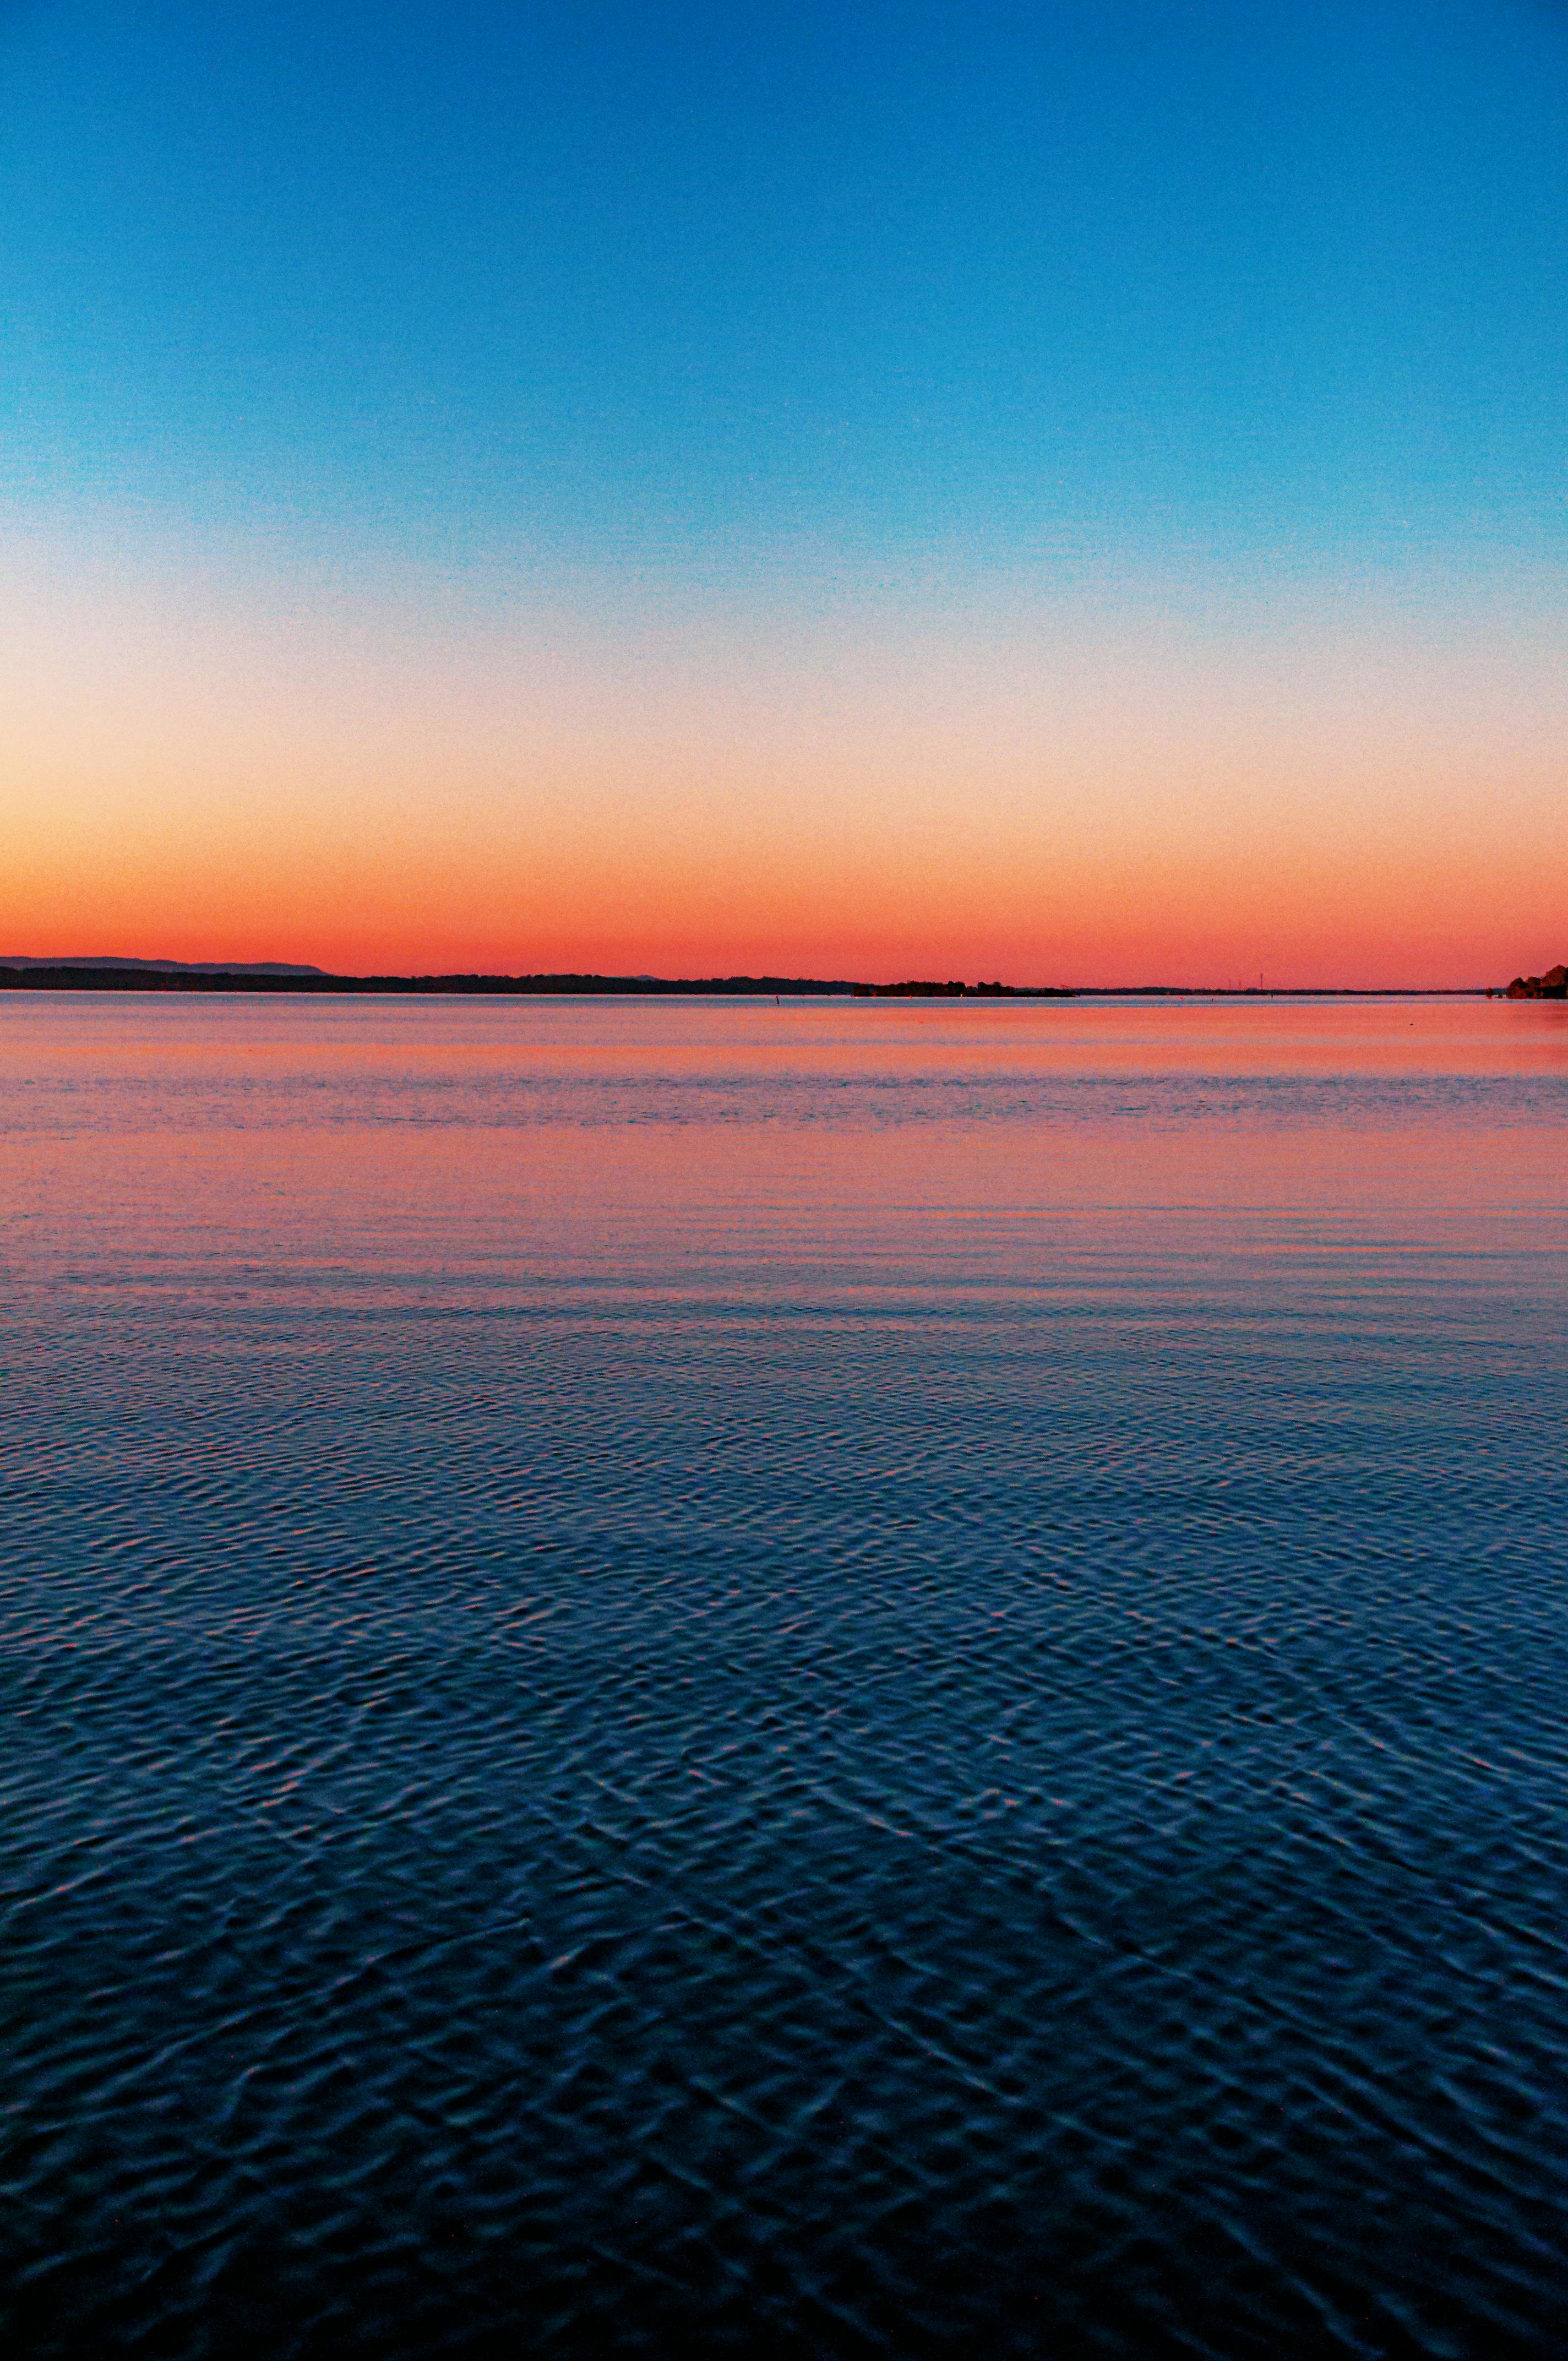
{"x": 613, "y": 1775}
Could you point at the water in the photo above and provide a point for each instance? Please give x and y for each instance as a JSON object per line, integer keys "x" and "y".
{"x": 828, "y": 1681}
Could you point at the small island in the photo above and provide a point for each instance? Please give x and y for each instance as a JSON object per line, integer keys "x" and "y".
{"x": 1553, "y": 986}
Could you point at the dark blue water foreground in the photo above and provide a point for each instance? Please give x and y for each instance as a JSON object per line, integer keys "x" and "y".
{"x": 813, "y": 1682}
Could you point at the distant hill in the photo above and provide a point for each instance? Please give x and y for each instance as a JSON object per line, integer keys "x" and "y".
{"x": 273, "y": 976}
{"x": 167, "y": 967}
{"x": 175, "y": 975}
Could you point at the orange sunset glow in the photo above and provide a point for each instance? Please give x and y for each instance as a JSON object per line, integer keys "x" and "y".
{"x": 1107, "y": 791}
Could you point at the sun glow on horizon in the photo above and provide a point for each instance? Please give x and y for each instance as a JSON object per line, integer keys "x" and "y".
{"x": 1109, "y": 787}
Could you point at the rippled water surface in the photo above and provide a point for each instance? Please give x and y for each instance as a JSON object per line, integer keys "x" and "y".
{"x": 833, "y": 1680}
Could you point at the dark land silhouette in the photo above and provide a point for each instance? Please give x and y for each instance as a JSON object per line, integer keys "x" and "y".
{"x": 121, "y": 974}
{"x": 1553, "y": 986}
{"x": 135, "y": 976}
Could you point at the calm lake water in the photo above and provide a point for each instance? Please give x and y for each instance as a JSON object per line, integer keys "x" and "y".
{"x": 836, "y": 1680}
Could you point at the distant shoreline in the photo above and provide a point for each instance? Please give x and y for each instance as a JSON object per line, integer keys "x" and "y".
{"x": 274, "y": 980}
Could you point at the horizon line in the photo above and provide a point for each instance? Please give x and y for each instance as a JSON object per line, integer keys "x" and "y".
{"x": 121, "y": 971}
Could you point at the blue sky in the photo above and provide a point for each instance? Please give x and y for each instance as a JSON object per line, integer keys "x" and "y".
{"x": 630, "y": 282}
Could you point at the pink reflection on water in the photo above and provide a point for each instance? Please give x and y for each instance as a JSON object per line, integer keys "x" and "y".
{"x": 305, "y": 1141}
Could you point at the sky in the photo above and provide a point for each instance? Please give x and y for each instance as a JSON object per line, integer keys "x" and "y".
{"x": 1062, "y": 492}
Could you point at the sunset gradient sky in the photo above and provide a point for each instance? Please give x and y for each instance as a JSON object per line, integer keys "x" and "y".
{"x": 1057, "y": 492}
